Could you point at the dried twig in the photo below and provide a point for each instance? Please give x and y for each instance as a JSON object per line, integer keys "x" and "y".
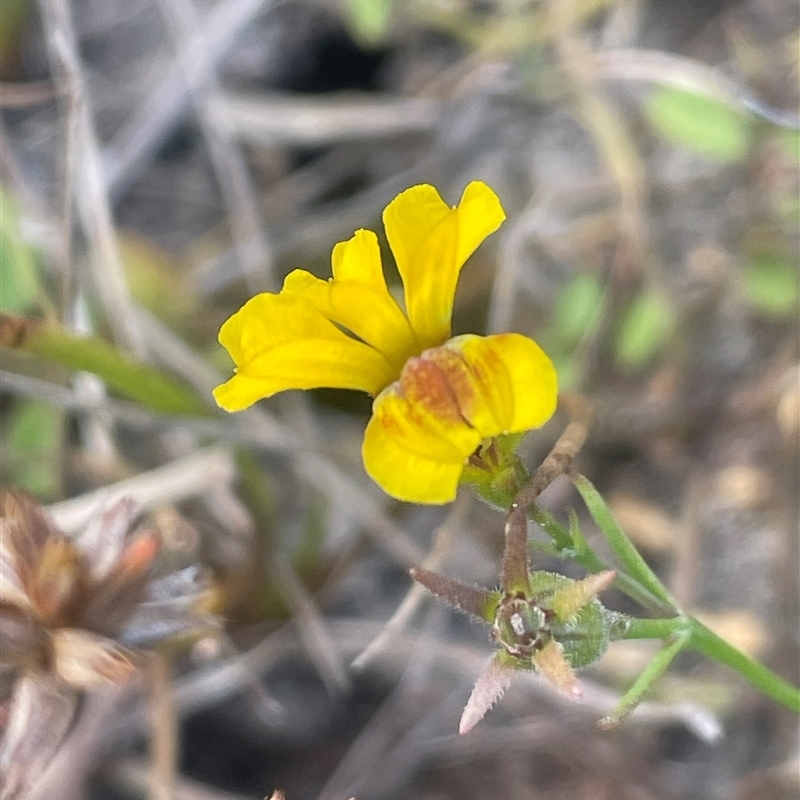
{"x": 171, "y": 483}
{"x": 166, "y": 103}
{"x": 515, "y": 556}
{"x": 89, "y": 189}
{"x": 283, "y": 120}
{"x": 317, "y": 641}
{"x": 164, "y": 729}
{"x": 442, "y": 538}
{"x": 670, "y": 69}
{"x": 252, "y": 249}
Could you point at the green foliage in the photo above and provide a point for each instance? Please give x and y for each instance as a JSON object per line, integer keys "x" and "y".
{"x": 369, "y": 20}
{"x": 133, "y": 379}
{"x": 584, "y": 637}
{"x": 19, "y": 267}
{"x": 790, "y": 144}
{"x": 577, "y": 307}
{"x": 31, "y": 448}
{"x": 643, "y": 330}
{"x": 700, "y": 124}
{"x": 772, "y": 286}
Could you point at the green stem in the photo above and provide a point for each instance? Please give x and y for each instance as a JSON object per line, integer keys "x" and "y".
{"x": 765, "y": 680}
{"x": 656, "y": 628}
{"x": 581, "y": 553}
{"x": 651, "y": 673}
{"x": 622, "y": 546}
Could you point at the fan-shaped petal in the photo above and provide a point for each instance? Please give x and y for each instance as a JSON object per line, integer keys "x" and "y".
{"x": 430, "y": 242}
{"x": 358, "y": 299}
{"x": 281, "y": 342}
{"x": 404, "y": 474}
{"x": 515, "y": 381}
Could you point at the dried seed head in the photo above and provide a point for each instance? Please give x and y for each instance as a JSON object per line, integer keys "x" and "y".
{"x": 66, "y": 607}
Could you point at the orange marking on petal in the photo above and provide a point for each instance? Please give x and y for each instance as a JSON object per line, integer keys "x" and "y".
{"x": 426, "y": 387}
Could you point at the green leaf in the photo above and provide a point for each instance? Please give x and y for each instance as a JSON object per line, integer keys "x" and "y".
{"x": 643, "y": 331}
{"x": 369, "y": 20}
{"x": 19, "y": 268}
{"x": 700, "y": 124}
{"x": 577, "y": 307}
{"x": 651, "y": 673}
{"x": 790, "y": 144}
{"x": 133, "y": 379}
{"x": 31, "y": 448}
{"x": 772, "y": 286}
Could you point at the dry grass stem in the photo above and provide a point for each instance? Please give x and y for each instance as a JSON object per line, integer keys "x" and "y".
{"x": 89, "y": 189}
{"x": 442, "y": 539}
{"x": 179, "y": 480}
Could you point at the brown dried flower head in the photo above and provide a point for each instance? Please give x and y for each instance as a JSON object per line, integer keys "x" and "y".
{"x": 73, "y": 613}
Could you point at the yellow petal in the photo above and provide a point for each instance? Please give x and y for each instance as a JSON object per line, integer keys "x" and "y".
{"x": 427, "y": 430}
{"x": 282, "y": 342}
{"x": 357, "y": 298}
{"x": 306, "y": 364}
{"x": 267, "y": 320}
{"x": 430, "y": 243}
{"x": 405, "y": 475}
{"x": 518, "y": 382}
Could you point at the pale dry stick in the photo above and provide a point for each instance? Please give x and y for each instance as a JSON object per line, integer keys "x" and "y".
{"x": 610, "y": 135}
{"x": 66, "y": 775}
{"x": 511, "y": 262}
{"x": 219, "y": 681}
{"x": 233, "y": 176}
{"x": 63, "y": 397}
{"x": 623, "y": 23}
{"x": 317, "y": 640}
{"x": 442, "y": 539}
{"x": 560, "y": 458}
{"x": 27, "y": 93}
{"x": 89, "y": 189}
{"x": 277, "y": 119}
{"x": 95, "y": 428}
{"x": 132, "y": 774}
{"x": 171, "y": 483}
{"x": 168, "y": 102}
{"x": 163, "y": 728}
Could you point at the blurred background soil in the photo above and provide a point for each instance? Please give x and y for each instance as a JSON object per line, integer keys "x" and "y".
{"x": 651, "y": 247}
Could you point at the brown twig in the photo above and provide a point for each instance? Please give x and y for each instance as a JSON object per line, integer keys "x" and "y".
{"x": 515, "y": 555}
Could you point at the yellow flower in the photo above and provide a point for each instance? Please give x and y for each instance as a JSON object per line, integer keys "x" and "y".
{"x": 436, "y": 398}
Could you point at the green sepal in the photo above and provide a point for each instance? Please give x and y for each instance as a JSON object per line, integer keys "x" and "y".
{"x": 584, "y": 636}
